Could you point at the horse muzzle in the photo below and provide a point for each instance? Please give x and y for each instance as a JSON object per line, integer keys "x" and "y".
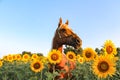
{"x": 77, "y": 42}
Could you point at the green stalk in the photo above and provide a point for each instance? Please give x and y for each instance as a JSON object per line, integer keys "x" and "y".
{"x": 41, "y": 75}
{"x": 53, "y": 71}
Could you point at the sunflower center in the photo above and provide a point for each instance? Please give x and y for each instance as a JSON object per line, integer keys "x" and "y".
{"x": 14, "y": 57}
{"x": 71, "y": 56}
{"x": 10, "y": 58}
{"x": 109, "y": 49}
{"x": 81, "y": 60}
{"x": 34, "y": 56}
{"x": 88, "y": 54}
{"x": 25, "y": 56}
{"x": 18, "y": 57}
{"x": 54, "y": 57}
{"x": 103, "y": 66}
{"x": 36, "y": 65}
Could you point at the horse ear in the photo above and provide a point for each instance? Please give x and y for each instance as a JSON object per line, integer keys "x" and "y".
{"x": 67, "y": 22}
{"x": 60, "y": 22}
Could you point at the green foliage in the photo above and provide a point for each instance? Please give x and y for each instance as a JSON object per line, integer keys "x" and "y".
{"x": 20, "y": 70}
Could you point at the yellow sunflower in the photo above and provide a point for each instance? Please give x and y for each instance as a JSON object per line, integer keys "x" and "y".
{"x": 36, "y": 66}
{"x": 44, "y": 59}
{"x": 89, "y": 54}
{"x": 25, "y": 57}
{"x": 5, "y": 58}
{"x": 71, "y": 56}
{"x": 78, "y": 56}
{"x": 14, "y": 57}
{"x": 104, "y": 66}
{"x": 80, "y": 59}
{"x": 110, "y": 48}
{"x": 34, "y": 56}
{"x": 54, "y": 56}
{"x": 18, "y": 57}
{"x": 1, "y": 63}
{"x": 10, "y": 58}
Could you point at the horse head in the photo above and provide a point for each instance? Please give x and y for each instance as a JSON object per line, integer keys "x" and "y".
{"x": 65, "y": 36}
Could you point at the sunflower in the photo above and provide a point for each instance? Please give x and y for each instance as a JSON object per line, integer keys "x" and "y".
{"x": 54, "y": 56}
{"x": 36, "y": 66}
{"x": 71, "y": 56}
{"x": 110, "y": 48}
{"x": 25, "y": 57}
{"x": 10, "y": 58}
{"x": 80, "y": 59}
{"x": 1, "y": 63}
{"x": 78, "y": 56}
{"x": 14, "y": 57}
{"x": 89, "y": 54}
{"x": 34, "y": 56}
{"x": 44, "y": 59}
{"x": 18, "y": 57}
{"x": 5, "y": 58}
{"x": 104, "y": 66}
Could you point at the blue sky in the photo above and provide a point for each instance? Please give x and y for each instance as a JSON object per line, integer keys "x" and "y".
{"x": 29, "y": 25}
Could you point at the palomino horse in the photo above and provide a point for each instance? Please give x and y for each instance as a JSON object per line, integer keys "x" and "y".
{"x": 65, "y": 36}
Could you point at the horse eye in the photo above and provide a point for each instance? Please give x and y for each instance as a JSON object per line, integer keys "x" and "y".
{"x": 63, "y": 30}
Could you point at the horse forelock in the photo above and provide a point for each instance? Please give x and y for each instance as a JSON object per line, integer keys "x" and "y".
{"x": 68, "y": 30}
{"x": 65, "y": 26}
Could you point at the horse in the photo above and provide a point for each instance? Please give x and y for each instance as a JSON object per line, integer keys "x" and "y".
{"x": 64, "y": 35}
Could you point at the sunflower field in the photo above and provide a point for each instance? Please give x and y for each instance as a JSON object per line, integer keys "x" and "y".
{"x": 90, "y": 64}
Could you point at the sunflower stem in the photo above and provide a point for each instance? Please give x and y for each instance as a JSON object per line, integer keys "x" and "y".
{"x": 41, "y": 75}
{"x": 53, "y": 71}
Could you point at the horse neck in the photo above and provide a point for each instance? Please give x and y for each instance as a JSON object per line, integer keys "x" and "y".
{"x": 56, "y": 45}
